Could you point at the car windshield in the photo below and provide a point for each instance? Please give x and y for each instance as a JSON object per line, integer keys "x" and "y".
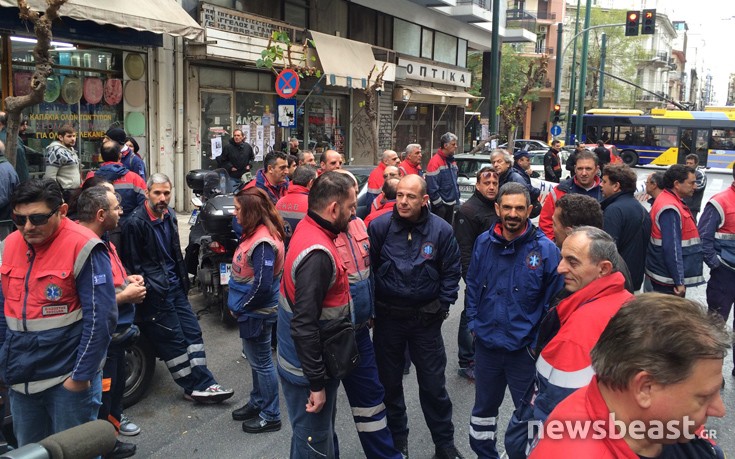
{"x": 469, "y": 167}
{"x": 537, "y": 160}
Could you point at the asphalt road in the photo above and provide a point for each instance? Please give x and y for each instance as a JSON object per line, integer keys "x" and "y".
{"x": 174, "y": 428}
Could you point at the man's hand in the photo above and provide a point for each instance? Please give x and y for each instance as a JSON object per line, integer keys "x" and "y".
{"x": 136, "y": 279}
{"x": 316, "y": 401}
{"x": 680, "y": 290}
{"x": 233, "y": 168}
{"x": 75, "y": 386}
{"x": 133, "y": 293}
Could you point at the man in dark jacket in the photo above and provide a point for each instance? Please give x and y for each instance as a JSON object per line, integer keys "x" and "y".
{"x": 475, "y": 216}
{"x": 625, "y": 219}
{"x": 552, "y": 163}
{"x": 510, "y": 281}
{"x": 151, "y": 248}
{"x": 417, "y": 268}
{"x": 236, "y": 157}
{"x": 503, "y": 163}
{"x": 695, "y": 202}
{"x": 603, "y": 155}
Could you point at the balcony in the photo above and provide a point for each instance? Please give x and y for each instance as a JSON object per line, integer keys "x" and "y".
{"x": 434, "y": 2}
{"x": 532, "y": 49}
{"x": 520, "y": 26}
{"x": 544, "y": 16}
{"x": 470, "y": 11}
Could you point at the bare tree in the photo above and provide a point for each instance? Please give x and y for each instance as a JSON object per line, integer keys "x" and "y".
{"x": 513, "y": 108}
{"x": 371, "y": 106}
{"x": 14, "y": 105}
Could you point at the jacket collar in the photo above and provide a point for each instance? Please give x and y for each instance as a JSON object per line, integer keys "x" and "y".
{"x": 419, "y": 224}
{"x": 483, "y": 199}
{"x": 610, "y": 199}
{"x": 604, "y": 286}
{"x": 326, "y": 226}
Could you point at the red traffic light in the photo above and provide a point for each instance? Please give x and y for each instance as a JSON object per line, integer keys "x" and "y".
{"x": 632, "y": 16}
{"x": 557, "y": 107}
{"x": 649, "y": 14}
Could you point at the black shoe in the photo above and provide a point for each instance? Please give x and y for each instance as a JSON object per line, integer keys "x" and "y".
{"x": 447, "y": 453}
{"x": 245, "y": 413}
{"x": 401, "y": 445}
{"x": 259, "y": 425}
{"x": 121, "y": 450}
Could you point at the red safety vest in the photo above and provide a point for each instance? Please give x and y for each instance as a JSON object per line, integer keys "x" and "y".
{"x": 407, "y": 168}
{"x": 375, "y": 180}
{"x": 242, "y": 263}
{"x": 724, "y": 203}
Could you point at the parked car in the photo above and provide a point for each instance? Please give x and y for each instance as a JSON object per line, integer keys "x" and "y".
{"x": 467, "y": 166}
{"x": 361, "y": 173}
{"x": 530, "y": 145}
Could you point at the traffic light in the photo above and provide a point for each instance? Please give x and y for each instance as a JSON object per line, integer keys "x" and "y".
{"x": 648, "y": 26}
{"x": 632, "y": 21}
{"x": 557, "y": 113}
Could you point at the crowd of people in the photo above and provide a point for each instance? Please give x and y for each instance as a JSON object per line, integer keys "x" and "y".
{"x": 554, "y": 313}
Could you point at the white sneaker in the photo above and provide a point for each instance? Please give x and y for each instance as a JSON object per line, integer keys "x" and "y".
{"x": 127, "y": 427}
{"x": 212, "y": 394}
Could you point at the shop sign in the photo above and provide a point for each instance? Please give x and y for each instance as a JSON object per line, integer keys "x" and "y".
{"x": 234, "y": 21}
{"x": 427, "y": 72}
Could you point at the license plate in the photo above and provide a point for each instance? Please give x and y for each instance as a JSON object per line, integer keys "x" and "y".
{"x": 224, "y": 273}
{"x": 193, "y": 218}
{"x": 466, "y": 189}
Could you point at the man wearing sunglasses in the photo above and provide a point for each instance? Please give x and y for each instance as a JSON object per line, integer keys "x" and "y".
{"x": 58, "y": 313}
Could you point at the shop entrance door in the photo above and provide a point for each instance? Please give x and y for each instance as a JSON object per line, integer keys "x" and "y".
{"x": 216, "y": 122}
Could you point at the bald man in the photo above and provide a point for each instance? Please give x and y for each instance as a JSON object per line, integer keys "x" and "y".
{"x": 375, "y": 181}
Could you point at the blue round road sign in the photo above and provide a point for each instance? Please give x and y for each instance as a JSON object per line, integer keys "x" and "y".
{"x": 555, "y": 130}
{"x": 287, "y": 83}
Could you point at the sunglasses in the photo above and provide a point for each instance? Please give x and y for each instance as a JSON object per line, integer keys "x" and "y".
{"x": 36, "y": 219}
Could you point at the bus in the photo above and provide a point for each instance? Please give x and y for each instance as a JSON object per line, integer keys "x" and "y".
{"x": 665, "y": 137}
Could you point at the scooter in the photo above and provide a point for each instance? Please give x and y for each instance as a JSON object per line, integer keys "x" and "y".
{"x": 212, "y": 241}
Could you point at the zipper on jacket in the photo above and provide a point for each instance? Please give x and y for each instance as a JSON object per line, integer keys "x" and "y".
{"x": 31, "y": 255}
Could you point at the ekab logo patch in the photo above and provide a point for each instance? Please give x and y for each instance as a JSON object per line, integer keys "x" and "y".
{"x": 533, "y": 260}
{"x": 427, "y": 250}
{"x": 53, "y": 292}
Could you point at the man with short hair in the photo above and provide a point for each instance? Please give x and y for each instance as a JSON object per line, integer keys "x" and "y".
{"x": 273, "y": 177}
{"x": 502, "y": 162}
{"x": 603, "y": 155}
{"x": 510, "y": 281}
{"x": 151, "y": 247}
{"x": 329, "y": 161}
{"x": 58, "y": 313}
{"x": 585, "y": 181}
{"x": 674, "y": 256}
{"x": 292, "y": 163}
{"x": 314, "y": 290}
{"x": 99, "y": 210}
{"x": 379, "y": 201}
{"x": 552, "y": 164}
{"x": 574, "y": 210}
{"x": 236, "y": 157}
{"x": 375, "y": 180}
{"x": 595, "y": 291}
{"x": 415, "y": 284}
{"x": 441, "y": 178}
{"x": 695, "y": 201}
{"x": 293, "y": 146}
{"x": 571, "y": 164}
{"x": 412, "y": 163}
{"x": 474, "y": 217}
{"x": 8, "y": 182}
{"x": 294, "y": 205}
{"x": 625, "y": 219}
{"x": 387, "y": 199}
{"x": 306, "y": 157}
{"x": 717, "y": 230}
{"x": 62, "y": 161}
{"x": 648, "y": 378}
{"x": 128, "y": 157}
{"x": 654, "y": 186}
{"x": 130, "y": 186}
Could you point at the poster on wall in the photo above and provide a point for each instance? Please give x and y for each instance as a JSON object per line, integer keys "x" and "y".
{"x": 216, "y": 147}
{"x": 259, "y": 144}
{"x": 272, "y": 140}
{"x": 286, "y": 113}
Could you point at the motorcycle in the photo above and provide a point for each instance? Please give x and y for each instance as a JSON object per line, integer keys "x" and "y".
{"x": 212, "y": 241}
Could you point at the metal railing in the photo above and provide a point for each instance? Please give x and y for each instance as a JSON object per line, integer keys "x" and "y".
{"x": 485, "y": 4}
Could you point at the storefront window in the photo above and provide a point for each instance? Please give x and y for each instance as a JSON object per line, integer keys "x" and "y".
{"x": 216, "y": 123}
{"x": 325, "y": 125}
{"x": 84, "y": 90}
{"x": 254, "y": 114}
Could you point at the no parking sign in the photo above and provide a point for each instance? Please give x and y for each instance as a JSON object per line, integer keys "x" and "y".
{"x": 287, "y": 83}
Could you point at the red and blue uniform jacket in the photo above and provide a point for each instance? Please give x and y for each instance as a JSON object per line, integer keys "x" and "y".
{"x": 353, "y": 246}
{"x": 441, "y": 179}
{"x": 717, "y": 230}
{"x": 407, "y": 168}
{"x": 257, "y": 266}
{"x": 274, "y": 192}
{"x": 130, "y": 186}
{"x": 125, "y": 311}
{"x": 59, "y": 308}
{"x": 293, "y": 207}
{"x": 509, "y": 286}
{"x": 304, "y": 307}
{"x": 570, "y": 185}
{"x": 674, "y": 255}
{"x": 384, "y": 208}
{"x": 375, "y": 183}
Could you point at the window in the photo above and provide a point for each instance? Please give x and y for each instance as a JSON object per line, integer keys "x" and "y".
{"x": 445, "y": 48}
{"x": 296, "y": 12}
{"x": 406, "y": 37}
{"x": 462, "y": 53}
{"x": 427, "y": 43}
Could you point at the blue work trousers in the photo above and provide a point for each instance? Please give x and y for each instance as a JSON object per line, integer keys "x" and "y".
{"x": 313, "y": 433}
{"x": 427, "y": 351}
{"x": 173, "y": 330}
{"x": 264, "y": 395}
{"x": 465, "y": 342}
{"x": 496, "y": 369}
{"x": 721, "y": 292}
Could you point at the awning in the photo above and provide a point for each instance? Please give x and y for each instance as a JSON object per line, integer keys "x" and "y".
{"x": 159, "y": 16}
{"x": 429, "y": 95}
{"x": 346, "y": 62}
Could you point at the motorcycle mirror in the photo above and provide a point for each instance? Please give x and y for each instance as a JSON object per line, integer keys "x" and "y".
{"x": 196, "y": 201}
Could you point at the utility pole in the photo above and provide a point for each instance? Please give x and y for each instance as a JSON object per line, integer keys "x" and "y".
{"x": 574, "y": 77}
{"x": 603, "y": 53}
{"x": 559, "y": 58}
{"x": 583, "y": 72}
{"x": 495, "y": 69}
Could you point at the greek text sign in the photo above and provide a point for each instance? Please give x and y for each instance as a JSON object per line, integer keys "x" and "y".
{"x": 426, "y": 72}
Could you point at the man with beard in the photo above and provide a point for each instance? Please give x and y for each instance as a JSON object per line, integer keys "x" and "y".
{"x": 417, "y": 268}
{"x": 151, "y": 248}
{"x": 273, "y": 177}
{"x": 316, "y": 290}
{"x": 236, "y": 157}
{"x": 510, "y": 281}
{"x": 474, "y": 217}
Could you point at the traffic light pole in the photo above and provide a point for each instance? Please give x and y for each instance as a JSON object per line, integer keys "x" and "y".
{"x": 557, "y": 72}
{"x": 496, "y": 43}
{"x": 574, "y": 72}
{"x": 583, "y": 72}
{"x": 603, "y": 54}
